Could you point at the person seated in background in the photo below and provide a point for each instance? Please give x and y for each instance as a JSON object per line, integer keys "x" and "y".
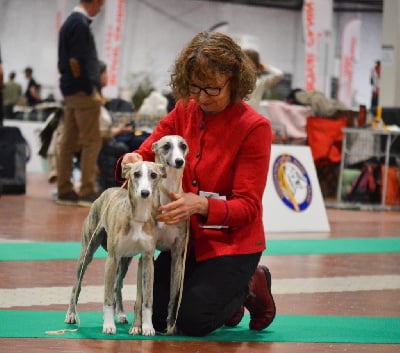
{"x": 107, "y": 128}
{"x": 118, "y": 139}
{"x": 267, "y": 77}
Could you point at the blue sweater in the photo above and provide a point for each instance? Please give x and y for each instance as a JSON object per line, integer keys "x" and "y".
{"x": 78, "y": 62}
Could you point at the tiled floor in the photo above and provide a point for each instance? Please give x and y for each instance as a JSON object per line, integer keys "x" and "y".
{"x": 343, "y": 284}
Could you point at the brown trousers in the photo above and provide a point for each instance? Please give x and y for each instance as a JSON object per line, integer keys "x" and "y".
{"x": 81, "y": 132}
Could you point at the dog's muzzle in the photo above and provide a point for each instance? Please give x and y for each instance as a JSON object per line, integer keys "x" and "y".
{"x": 145, "y": 194}
{"x": 179, "y": 162}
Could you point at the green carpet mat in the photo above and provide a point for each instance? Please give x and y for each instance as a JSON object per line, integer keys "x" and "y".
{"x": 70, "y": 250}
{"x": 285, "y": 328}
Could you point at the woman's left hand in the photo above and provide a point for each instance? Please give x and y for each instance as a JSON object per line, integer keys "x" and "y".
{"x": 182, "y": 207}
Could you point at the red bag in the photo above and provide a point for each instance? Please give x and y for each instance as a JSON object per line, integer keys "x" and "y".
{"x": 325, "y": 139}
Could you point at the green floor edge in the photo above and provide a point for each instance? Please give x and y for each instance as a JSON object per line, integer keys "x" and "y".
{"x": 32, "y": 251}
{"x": 285, "y": 328}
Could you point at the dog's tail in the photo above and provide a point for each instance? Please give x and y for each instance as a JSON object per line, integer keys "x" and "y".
{"x": 62, "y": 331}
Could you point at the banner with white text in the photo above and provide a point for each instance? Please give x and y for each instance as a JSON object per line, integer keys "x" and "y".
{"x": 114, "y": 21}
{"x": 317, "y": 25}
{"x": 349, "y": 54}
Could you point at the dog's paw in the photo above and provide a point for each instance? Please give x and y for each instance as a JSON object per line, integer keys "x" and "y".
{"x": 70, "y": 318}
{"x": 135, "y": 330}
{"x": 108, "y": 320}
{"x": 109, "y": 329}
{"x": 171, "y": 330}
{"x": 148, "y": 330}
{"x": 122, "y": 318}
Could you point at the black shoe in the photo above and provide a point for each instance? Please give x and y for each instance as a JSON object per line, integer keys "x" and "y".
{"x": 260, "y": 302}
{"x": 70, "y": 199}
{"x": 86, "y": 201}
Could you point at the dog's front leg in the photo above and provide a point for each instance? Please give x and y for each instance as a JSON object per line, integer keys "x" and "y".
{"x": 119, "y": 307}
{"x": 136, "y": 328}
{"x": 147, "y": 290}
{"x": 109, "y": 301}
{"x": 89, "y": 247}
{"x": 176, "y": 274}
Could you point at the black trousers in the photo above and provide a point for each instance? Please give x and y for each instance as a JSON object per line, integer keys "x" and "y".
{"x": 213, "y": 291}
{"x": 374, "y": 100}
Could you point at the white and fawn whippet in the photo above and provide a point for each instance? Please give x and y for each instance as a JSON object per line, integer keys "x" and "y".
{"x": 124, "y": 219}
{"x": 171, "y": 151}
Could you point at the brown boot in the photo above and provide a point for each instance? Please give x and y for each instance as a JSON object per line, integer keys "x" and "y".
{"x": 236, "y": 318}
{"x": 260, "y": 302}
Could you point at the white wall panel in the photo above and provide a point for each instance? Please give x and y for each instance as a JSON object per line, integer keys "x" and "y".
{"x": 155, "y": 31}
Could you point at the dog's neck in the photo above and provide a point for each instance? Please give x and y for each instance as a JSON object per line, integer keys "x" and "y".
{"x": 172, "y": 183}
{"x": 142, "y": 211}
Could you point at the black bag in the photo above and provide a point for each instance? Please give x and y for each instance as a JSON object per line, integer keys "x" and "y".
{"x": 13, "y": 156}
{"x": 132, "y": 140}
{"x": 108, "y": 156}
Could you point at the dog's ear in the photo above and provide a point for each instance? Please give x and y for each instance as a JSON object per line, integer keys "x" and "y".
{"x": 154, "y": 146}
{"x": 125, "y": 170}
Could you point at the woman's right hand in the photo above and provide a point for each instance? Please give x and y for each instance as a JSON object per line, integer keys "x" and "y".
{"x": 131, "y": 157}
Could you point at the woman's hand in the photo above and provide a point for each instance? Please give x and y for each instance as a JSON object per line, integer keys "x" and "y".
{"x": 132, "y": 157}
{"x": 182, "y": 207}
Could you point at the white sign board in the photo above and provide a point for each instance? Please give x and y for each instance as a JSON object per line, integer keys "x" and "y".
{"x": 292, "y": 200}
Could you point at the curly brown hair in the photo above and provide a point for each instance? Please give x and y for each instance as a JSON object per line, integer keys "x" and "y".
{"x": 209, "y": 53}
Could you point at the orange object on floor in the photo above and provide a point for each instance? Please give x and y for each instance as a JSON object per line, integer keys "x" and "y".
{"x": 392, "y": 186}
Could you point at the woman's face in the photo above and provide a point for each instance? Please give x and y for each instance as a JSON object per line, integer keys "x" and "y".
{"x": 212, "y": 95}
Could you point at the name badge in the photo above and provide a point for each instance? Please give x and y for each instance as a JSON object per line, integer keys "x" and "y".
{"x": 212, "y": 195}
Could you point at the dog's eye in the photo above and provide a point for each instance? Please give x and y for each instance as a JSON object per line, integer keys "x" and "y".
{"x": 136, "y": 175}
{"x": 153, "y": 175}
{"x": 166, "y": 147}
{"x": 183, "y": 146}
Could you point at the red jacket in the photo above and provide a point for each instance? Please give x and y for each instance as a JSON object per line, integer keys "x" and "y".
{"x": 228, "y": 154}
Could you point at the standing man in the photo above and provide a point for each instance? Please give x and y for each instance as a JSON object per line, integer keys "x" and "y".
{"x": 32, "y": 93}
{"x": 1, "y": 93}
{"x": 374, "y": 80}
{"x": 12, "y": 95}
{"x": 78, "y": 65}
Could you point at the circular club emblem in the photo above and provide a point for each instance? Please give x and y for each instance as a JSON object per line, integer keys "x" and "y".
{"x": 292, "y": 182}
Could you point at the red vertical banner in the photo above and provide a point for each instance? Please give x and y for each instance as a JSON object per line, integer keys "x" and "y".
{"x": 115, "y": 12}
{"x": 349, "y": 53}
{"x": 317, "y": 25}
